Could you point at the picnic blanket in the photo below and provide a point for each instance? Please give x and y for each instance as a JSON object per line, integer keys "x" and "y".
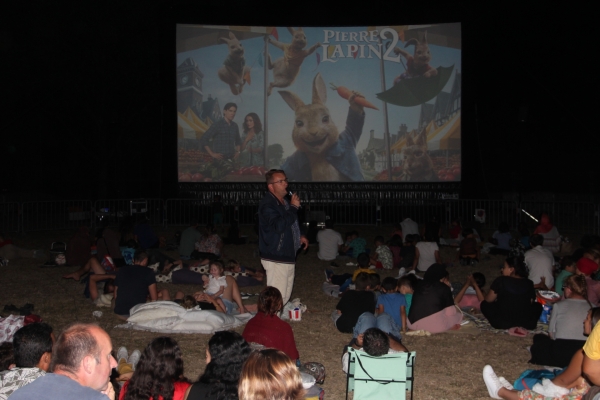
{"x": 170, "y": 317}
{"x": 483, "y": 324}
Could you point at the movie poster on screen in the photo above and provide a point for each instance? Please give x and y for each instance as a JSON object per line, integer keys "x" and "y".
{"x": 350, "y": 104}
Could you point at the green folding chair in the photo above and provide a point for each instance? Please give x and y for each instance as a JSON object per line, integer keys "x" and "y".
{"x": 385, "y": 377}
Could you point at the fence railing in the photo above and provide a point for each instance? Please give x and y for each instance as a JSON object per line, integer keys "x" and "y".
{"x": 344, "y": 207}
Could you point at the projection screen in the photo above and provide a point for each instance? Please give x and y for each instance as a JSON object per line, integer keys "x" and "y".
{"x": 349, "y": 104}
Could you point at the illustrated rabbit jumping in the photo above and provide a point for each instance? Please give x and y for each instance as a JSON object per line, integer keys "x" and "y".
{"x": 418, "y": 64}
{"x": 323, "y": 154}
{"x": 417, "y": 165}
{"x": 286, "y": 68}
{"x": 234, "y": 71}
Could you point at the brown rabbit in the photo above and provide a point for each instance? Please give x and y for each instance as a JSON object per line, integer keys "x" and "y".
{"x": 286, "y": 68}
{"x": 323, "y": 154}
{"x": 234, "y": 71}
{"x": 417, "y": 64}
{"x": 417, "y": 166}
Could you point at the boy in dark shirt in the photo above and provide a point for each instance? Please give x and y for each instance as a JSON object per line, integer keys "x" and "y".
{"x": 353, "y": 304}
{"x": 133, "y": 284}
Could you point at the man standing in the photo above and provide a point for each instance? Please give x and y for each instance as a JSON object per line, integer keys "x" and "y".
{"x": 81, "y": 362}
{"x": 222, "y": 140}
{"x": 409, "y": 227}
{"x": 329, "y": 241}
{"x": 279, "y": 233}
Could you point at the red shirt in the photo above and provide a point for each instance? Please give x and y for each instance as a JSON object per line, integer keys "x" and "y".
{"x": 180, "y": 389}
{"x": 272, "y": 332}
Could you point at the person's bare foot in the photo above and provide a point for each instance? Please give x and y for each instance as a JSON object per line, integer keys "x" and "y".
{"x": 73, "y": 275}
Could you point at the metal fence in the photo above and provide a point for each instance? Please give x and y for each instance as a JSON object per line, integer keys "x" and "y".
{"x": 344, "y": 207}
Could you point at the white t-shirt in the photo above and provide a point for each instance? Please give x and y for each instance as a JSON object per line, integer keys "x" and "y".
{"x": 426, "y": 255}
{"x": 214, "y": 284}
{"x": 409, "y": 227}
{"x": 329, "y": 242}
{"x": 539, "y": 261}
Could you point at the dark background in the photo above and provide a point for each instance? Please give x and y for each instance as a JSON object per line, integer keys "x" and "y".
{"x": 88, "y": 90}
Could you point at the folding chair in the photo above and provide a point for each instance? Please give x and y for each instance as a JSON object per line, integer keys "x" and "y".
{"x": 385, "y": 377}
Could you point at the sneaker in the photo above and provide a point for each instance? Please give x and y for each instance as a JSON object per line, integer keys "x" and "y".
{"x": 401, "y": 272}
{"x": 122, "y": 354}
{"x": 351, "y": 264}
{"x": 492, "y": 382}
{"x": 134, "y": 358}
{"x": 506, "y": 384}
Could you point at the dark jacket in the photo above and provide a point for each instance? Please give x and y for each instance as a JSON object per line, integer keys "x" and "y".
{"x": 275, "y": 237}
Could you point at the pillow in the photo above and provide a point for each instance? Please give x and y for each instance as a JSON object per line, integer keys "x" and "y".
{"x": 158, "y": 309}
{"x": 160, "y": 323}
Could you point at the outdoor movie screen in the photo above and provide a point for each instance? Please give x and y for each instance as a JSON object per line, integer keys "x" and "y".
{"x": 350, "y": 104}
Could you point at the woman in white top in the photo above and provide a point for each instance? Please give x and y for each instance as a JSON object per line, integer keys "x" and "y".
{"x": 427, "y": 253}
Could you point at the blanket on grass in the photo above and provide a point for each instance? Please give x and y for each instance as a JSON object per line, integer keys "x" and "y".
{"x": 483, "y": 324}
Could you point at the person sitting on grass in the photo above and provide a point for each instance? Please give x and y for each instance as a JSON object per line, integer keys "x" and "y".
{"x": 354, "y": 245}
{"x": 32, "y": 355}
{"x": 353, "y": 304}
{"x": 215, "y": 284}
{"x": 568, "y": 267}
{"x": 406, "y": 286}
{"x": 468, "y": 251}
{"x": 392, "y": 303}
{"x": 345, "y": 280}
{"x": 474, "y": 284}
{"x": 374, "y": 342}
{"x": 383, "y": 257}
{"x": 571, "y": 384}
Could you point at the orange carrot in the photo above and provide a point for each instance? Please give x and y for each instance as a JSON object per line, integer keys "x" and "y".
{"x": 345, "y": 93}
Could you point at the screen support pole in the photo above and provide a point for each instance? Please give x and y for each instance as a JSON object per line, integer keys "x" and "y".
{"x": 386, "y": 127}
{"x": 266, "y": 102}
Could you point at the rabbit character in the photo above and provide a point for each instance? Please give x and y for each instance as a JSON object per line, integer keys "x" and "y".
{"x": 286, "y": 68}
{"x": 417, "y": 166}
{"x": 234, "y": 71}
{"x": 417, "y": 64}
{"x": 323, "y": 154}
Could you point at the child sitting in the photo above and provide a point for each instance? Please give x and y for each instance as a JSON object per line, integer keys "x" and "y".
{"x": 568, "y": 267}
{"x": 472, "y": 294}
{"x": 468, "y": 251}
{"x": 406, "y": 286}
{"x": 345, "y": 280}
{"x": 392, "y": 303}
{"x": 353, "y": 304}
{"x": 215, "y": 283}
{"x": 407, "y": 254}
{"x": 383, "y": 257}
{"x": 354, "y": 245}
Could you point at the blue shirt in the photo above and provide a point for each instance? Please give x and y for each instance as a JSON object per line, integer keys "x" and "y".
{"x": 391, "y": 305}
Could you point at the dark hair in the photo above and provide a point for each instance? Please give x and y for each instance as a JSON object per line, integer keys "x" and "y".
{"x": 269, "y": 174}
{"x": 503, "y": 227}
{"x": 379, "y": 239}
{"x": 159, "y": 367}
{"x": 479, "y": 279}
{"x": 375, "y": 342}
{"x": 362, "y": 281}
{"x": 408, "y": 280}
{"x": 139, "y": 256}
{"x": 374, "y": 280}
{"x": 229, "y": 105}
{"x": 363, "y": 260}
{"x": 132, "y": 244}
{"x": 396, "y": 240}
{"x": 270, "y": 300}
{"x": 228, "y": 352}
{"x": 595, "y": 316}
{"x": 7, "y": 357}
{"x": 519, "y": 265}
{"x": 467, "y": 231}
{"x": 412, "y": 238}
{"x": 257, "y": 123}
{"x": 566, "y": 261}
{"x": 389, "y": 284}
{"x": 30, "y": 343}
{"x": 72, "y": 346}
{"x": 329, "y": 223}
{"x": 536, "y": 240}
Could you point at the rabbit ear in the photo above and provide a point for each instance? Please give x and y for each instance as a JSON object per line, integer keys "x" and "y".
{"x": 424, "y": 38}
{"x": 224, "y": 39}
{"x": 291, "y": 30}
{"x": 291, "y": 99}
{"x": 319, "y": 94}
{"x": 231, "y": 35}
{"x": 300, "y": 29}
{"x": 422, "y": 138}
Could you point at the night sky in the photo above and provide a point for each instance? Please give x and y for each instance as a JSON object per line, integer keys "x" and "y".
{"x": 88, "y": 90}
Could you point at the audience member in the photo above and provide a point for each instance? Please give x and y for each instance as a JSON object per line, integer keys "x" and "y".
{"x": 353, "y": 304}
{"x": 81, "y": 364}
{"x": 133, "y": 285}
{"x": 354, "y": 245}
{"x": 210, "y": 245}
{"x": 376, "y": 343}
{"x": 330, "y": 242}
{"x": 189, "y": 237}
{"x": 540, "y": 261}
{"x": 32, "y": 355}
{"x": 408, "y": 254}
{"x": 587, "y": 268}
{"x": 552, "y": 239}
{"x": 568, "y": 267}
{"x": 474, "y": 284}
{"x": 144, "y": 234}
{"x": 159, "y": 373}
{"x": 270, "y": 374}
{"x": 468, "y": 250}
{"x": 215, "y": 284}
{"x": 267, "y": 328}
{"x": 392, "y": 303}
{"x": 511, "y": 299}
{"x": 406, "y": 286}
{"x": 382, "y": 257}
{"x": 501, "y": 239}
{"x": 345, "y": 280}
{"x": 225, "y": 355}
{"x": 410, "y": 227}
{"x": 427, "y": 253}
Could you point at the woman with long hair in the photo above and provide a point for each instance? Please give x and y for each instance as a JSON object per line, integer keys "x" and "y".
{"x": 158, "y": 374}
{"x": 267, "y": 328}
{"x": 270, "y": 374}
{"x": 566, "y": 337}
{"x": 225, "y": 355}
{"x": 253, "y": 141}
{"x": 510, "y": 301}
